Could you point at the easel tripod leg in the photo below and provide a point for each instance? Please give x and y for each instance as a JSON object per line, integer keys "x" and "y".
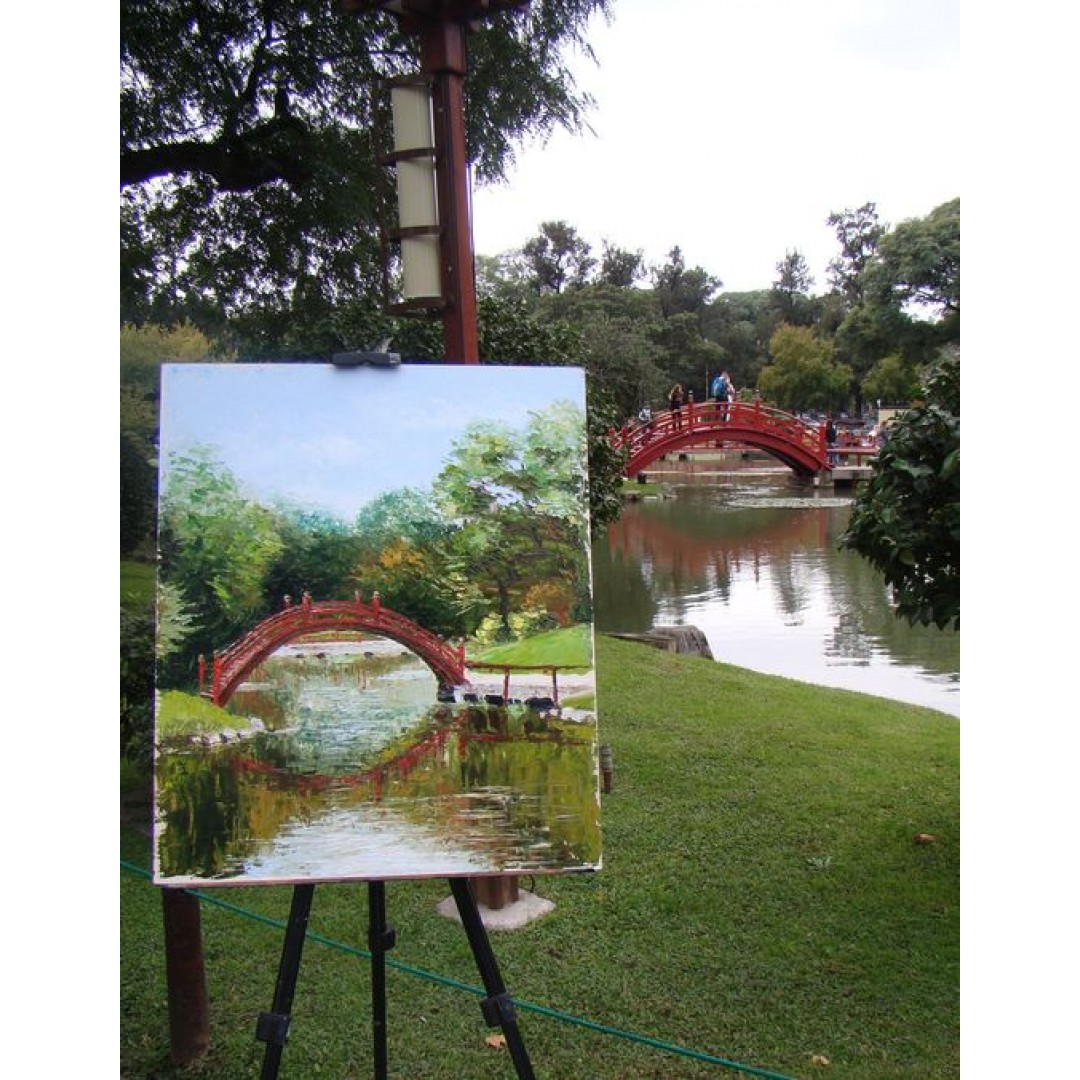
{"x": 497, "y": 1007}
{"x": 273, "y": 1027}
{"x": 381, "y": 937}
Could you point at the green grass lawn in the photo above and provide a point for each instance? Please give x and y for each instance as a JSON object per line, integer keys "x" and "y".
{"x": 763, "y": 900}
{"x": 181, "y": 715}
{"x": 569, "y": 648}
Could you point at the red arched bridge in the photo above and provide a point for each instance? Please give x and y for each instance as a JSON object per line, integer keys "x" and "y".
{"x": 797, "y": 443}
{"x": 233, "y": 664}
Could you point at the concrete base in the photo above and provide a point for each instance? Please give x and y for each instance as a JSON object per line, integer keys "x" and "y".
{"x": 525, "y": 909}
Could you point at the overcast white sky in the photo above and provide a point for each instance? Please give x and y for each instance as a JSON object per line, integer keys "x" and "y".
{"x": 733, "y": 129}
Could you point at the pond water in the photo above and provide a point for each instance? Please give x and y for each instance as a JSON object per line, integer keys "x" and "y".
{"x": 749, "y": 554}
{"x": 342, "y": 766}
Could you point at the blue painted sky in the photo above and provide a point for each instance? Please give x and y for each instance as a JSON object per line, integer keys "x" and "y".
{"x": 334, "y": 439}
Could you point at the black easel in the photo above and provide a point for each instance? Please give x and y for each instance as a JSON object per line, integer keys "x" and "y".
{"x": 273, "y": 1027}
{"x": 497, "y": 1008}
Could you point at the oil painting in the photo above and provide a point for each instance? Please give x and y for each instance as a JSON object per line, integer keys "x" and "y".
{"x": 374, "y": 624}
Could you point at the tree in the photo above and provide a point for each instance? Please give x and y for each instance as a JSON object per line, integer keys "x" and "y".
{"x": 142, "y": 351}
{"x": 217, "y": 547}
{"x": 859, "y": 233}
{"x": 247, "y": 152}
{"x": 742, "y": 324}
{"x": 907, "y": 520}
{"x": 137, "y": 487}
{"x": 891, "y": 379}
{"x": 618, "y": 330}
{"x": 906, "y": 295}
{"x": 919, "y": 264}
{"x": 791, "y": 289}
{"x": 514, "y": 498}
{"x": 620, "y": 267}
{"x": 557, "y": 258}
{"x": 804, "y": 374}
{"x": 403, "y": 548}
{"x": 317, "y": 554}
{"x": 681, "y": 289}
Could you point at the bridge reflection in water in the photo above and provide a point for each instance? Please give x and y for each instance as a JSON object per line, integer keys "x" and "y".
{"x": 358, "y": 775}
{"x": 752, "y": 557}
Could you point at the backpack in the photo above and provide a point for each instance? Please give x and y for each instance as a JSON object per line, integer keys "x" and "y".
{"x": 719, "y": 387}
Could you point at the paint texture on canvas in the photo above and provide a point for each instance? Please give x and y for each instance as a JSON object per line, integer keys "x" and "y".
{"x": 375, "y": 650}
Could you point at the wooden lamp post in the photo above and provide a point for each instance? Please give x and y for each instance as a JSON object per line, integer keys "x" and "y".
{"x": 441, "y": 26}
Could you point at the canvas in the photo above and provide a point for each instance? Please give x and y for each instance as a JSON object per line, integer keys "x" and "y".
{"x": 375, "y": 646}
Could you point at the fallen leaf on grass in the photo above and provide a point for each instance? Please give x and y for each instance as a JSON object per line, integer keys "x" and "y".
{"x": 925, "y": 838}
{"x": 820, "y": 1059}
{"x": 497, "y": 1042}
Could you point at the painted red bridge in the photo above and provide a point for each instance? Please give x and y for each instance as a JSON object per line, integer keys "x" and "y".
{"x": 231, "y": 666}
{"x": 797, "y": 443}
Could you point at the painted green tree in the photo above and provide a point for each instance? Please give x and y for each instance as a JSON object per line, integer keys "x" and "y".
{"x": 217, "y": 547}
{"x": 517, "y": 498}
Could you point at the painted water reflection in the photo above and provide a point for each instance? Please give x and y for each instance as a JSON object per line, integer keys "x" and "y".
{"x": 348, "y": 771}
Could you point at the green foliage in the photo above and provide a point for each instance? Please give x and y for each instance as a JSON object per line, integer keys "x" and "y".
{"x": 515, "y": 497}
{"x": 511, "y": 333}
{"x": 138, "y": 490}
{"x": 175, "y": 621}
{"x": 791, "y": 290}
{"x": 217, "y": 546}
{"x": 557, "y": 258}
{"x": 606, "y": 464}
{"x": 859, "y": 233}
{"x": 181, "y": 715}
{"x": 402, "y": 552}
{"x": 317, "y": 554}
{"x": 902, "y": 287}
{"x": 891, "y": 380}
{"x": 142, "y": 351}
{"x": 256, "y": 112}
{"x": 920, "y": 261}
{"x": 136, "y": 682}
{"x": 682, "y": 289}
{"x": 804, "y": 374}
{"x": 907, "y": 520}
{"x": 620, "y": 267}
{"x": 741, "y": 324}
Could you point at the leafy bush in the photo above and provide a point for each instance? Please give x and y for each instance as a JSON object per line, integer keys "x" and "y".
{"x": 907, "y": 520}
{"x": 137, "y": 496}
{"x": 136, "y": 684}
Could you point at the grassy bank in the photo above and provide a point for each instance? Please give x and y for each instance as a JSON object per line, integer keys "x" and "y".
{"x": 764, "y": 900}
{"x": 570, "y": 647}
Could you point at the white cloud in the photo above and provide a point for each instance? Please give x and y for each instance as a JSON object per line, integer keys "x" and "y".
{"x": 733, "y": 130}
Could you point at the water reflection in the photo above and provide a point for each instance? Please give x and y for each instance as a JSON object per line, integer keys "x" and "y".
{"x": 750, "y": 555}
{"x": 349, "y": 771}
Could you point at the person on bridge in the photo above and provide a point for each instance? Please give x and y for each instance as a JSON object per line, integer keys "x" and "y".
{"x": 830, "y": 438}
{"x": 675, "y": 400}
{"x": 724, "y": 393}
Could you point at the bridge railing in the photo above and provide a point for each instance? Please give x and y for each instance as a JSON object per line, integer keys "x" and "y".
{"x": 309, "y": 617}
{"x": 711, "y": 416}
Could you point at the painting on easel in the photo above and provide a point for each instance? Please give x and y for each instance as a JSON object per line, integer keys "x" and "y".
{"x": 375, "y": 649}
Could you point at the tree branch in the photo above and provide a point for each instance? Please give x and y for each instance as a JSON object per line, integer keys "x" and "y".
{"x": 277, "y": 149}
